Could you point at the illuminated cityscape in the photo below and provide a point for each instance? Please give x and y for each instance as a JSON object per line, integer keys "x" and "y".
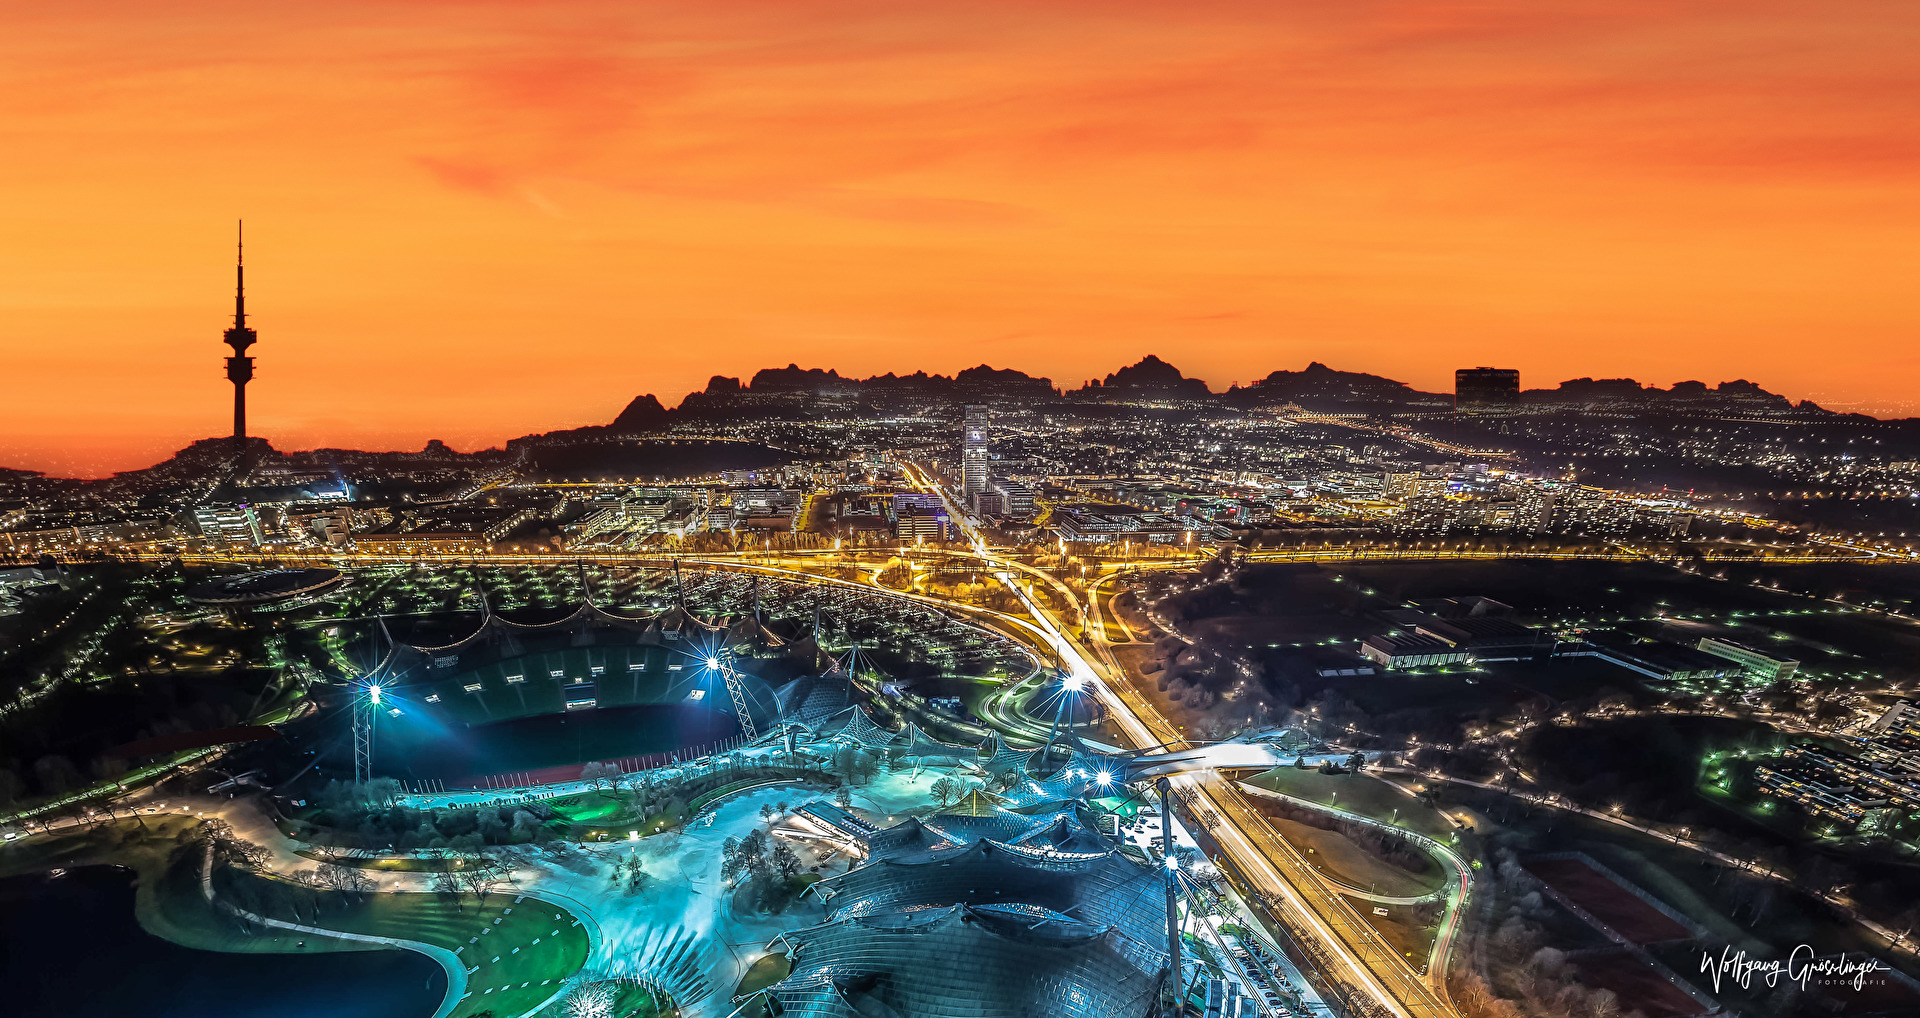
{"x": 1209, "y": 551}
{"x": 981, "y": 695}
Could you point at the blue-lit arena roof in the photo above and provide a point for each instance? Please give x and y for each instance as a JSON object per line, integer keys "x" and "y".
{"x": 1052, "y": 922}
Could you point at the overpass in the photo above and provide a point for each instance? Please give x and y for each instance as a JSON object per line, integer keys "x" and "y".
{"x": 1146, "y": 765}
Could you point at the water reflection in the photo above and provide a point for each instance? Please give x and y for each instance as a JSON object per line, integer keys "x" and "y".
{"x": 70, "y": 947}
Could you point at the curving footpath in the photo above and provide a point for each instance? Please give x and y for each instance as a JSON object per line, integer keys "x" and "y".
{"x": 456, "y": 971}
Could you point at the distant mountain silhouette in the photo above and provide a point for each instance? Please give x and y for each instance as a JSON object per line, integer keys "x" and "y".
{"x": 794, "y": 378}
{"x": 643, "y": 414}
{"x": 800, "y": 389}
{"x": 1149, "y": 376}
{"x": 796, "y": 393}
{"x": 1739, "y": 394}
{"x": 1320, "y": 387}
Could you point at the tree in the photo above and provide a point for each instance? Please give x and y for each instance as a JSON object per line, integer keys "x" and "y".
{"x": 493, "y": 830}
{"x": 599, "y": 775}
{"x": 766, "y": 812}
{"x": 480, "y": 878}
{"x": 345, "y": 879}
{"x": 945, "y": 790}
{"x": 446, "y": 885}
{"x": 382, "y": 792}
{"x": 846, "y": 763}
{"x": 229, "y": 849}
{"x": 524, "y": 825}
{"x": 786, "y": 861}
{"x": 744, "y": 858}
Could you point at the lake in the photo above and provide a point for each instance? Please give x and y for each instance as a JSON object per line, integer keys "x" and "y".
{"x": 70, "y": 947}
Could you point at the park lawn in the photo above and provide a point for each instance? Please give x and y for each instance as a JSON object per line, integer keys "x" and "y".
{"x": 1359, "y": 793}
{"x": 766, "y": 971}
{"x": 594, "y": 808}
{"x": 520, "y": 949}
{"x": 1353, "y": 866}
{"x": 113, "y": 843}
{"x": 1398, "y": 927}
{"x": 592, "y": 816}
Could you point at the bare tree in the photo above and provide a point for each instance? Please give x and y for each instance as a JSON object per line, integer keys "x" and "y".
{"x": 599, "y": 775}
{"x": 480, "y": 878}
{"x": 347, "y": 880}
{"x": 447, "y": 885}
{"x": 231, "y": 849}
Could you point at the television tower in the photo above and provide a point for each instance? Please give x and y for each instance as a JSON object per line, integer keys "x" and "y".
{"x": 240, "y": 366}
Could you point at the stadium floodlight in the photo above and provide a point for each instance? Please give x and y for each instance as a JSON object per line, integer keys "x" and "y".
{"x": 1173, "y": 864}
{"x": 365, "y": 710}
{"x": 1073, "y": 683}
{"x": 713, "y": 662}
{"x": 1106, "y": 777}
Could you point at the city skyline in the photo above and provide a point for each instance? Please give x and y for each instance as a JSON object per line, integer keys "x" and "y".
{"x": 675, "y": 192}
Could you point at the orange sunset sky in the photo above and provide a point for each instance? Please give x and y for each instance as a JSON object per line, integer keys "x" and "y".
{"x": 473, "y": 220}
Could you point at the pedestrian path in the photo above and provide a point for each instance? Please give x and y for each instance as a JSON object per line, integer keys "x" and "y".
{"x": 456, "y": 971}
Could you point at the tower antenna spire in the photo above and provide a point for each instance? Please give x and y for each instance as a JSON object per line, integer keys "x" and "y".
{"x": 240, "y": 276}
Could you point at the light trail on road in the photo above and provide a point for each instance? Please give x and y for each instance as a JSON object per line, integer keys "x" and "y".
{"x": 1396, "y": 988}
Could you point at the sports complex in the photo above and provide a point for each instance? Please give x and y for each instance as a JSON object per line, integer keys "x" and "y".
{"x": 720, "y": 792}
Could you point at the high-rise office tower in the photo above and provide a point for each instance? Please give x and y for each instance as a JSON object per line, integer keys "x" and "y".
{"x": 1484, "y": 388}
{"x": 973, "y": 452}
{"x": 240, "y": 366}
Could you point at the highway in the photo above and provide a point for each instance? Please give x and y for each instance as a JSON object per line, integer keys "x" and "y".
{"x": 1357, "y": 954}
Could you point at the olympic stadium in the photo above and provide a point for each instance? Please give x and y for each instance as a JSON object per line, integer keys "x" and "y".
{"x": 475, "y": 692}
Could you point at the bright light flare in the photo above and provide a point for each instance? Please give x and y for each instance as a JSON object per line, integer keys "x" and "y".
{"x": 713, "y": 662}
{"x": 373, "y": 693}
{"x": 592, "y": 1000}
